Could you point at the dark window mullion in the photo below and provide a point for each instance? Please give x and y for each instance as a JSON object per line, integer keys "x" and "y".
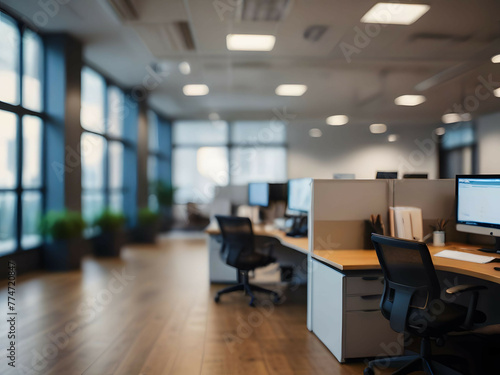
{"x": 19, "y": 222}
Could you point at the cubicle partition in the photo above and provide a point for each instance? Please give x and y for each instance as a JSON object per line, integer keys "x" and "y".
{"x": 341, "y": 207}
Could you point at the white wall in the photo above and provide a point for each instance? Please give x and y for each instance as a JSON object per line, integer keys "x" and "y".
{"x": 488, "y": 136}
{"x": 353, "y": 149}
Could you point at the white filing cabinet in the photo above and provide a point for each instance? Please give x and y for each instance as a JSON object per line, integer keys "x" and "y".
{"x": 345, "y": 313}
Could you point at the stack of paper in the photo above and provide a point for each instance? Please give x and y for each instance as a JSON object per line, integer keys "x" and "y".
{"x": 406, "y": 223}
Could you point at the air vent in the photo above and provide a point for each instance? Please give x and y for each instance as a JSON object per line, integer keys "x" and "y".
{"x": 162, "y": 39}
{"x": 440, "y": 37}
{"x": 315, "y": 32}
{"x": 124, "y": 10}
{"x": 262, "y": 10}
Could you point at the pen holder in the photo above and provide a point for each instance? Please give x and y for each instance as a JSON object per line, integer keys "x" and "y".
{"x": 438, "y": 238}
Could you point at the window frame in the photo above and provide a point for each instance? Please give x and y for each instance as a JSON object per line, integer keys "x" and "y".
{"x": 20, "y": 112}
{"x": 162, "y": 156}
{"x": 126, "y": 142}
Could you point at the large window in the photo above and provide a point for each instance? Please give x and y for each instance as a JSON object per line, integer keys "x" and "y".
{"x": 458, "y": 150}
{"x": 158, "y": 156}
{"x": 103, "y": 145}
{"x": 21, "y": 136}
{"x": 208, "y": 154}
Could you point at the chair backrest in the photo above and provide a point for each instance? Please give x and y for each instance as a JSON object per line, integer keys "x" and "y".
{"x": 410, "y": 278}
{"x": 237, "y": 238}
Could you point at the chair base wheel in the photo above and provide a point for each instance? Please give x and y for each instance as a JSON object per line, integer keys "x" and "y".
{"x": 217, "y": 299}
{"x": 368, "y": 371}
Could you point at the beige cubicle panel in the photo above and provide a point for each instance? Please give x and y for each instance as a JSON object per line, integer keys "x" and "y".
{"x": 341, "y": 207}
{"x": 436, "y": 198}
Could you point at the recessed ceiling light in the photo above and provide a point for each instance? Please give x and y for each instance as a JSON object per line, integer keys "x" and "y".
{"x": 315, "y": 133}
{"x": 393, "y": 137}
{"x": 440, "y": 131}
{"x": 185, "y": 68}
{"x": 495, "y": 59}
{"x": 395, "y": 13}
{"x": 337, "y": 120}
{"x": 496, "y": 92}
{"x": 195, "y": 90}
{"x": 378, "y": 128}
{"x": 409, "y": 100}
{"x": 291, "y": 90}
{"x": 450, "y": 118}
{"x": 250, "y": 42}
{"x": 214, "y": 116}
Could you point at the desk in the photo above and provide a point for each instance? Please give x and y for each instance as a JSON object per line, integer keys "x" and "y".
{"x": 346, "y": 291}
{"x": 349, "y": 260}
{"x": 220, "y": 272}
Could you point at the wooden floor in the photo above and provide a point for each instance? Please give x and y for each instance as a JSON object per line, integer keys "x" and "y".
{"x": 151, "y": 312}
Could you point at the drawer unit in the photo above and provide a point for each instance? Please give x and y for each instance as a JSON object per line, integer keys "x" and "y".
{"x": 346, "y": 315}
{"x": 364, "y": 285}
{"x": 363, "y": 303}
{"x": 368, "y": 333}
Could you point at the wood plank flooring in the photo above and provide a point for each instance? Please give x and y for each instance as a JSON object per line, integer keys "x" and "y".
{"x": 151, "y": 313}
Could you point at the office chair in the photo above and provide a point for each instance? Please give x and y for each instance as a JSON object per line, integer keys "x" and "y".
{"x": 412, "y": 303}
{"x": 239, "y": 251}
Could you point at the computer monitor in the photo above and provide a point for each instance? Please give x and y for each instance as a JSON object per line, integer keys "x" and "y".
{"x": 299, "y": 195}
{"x": 416, "y": 175}
{"x": 344, "y": 176}
{"x": 278, "y": 192}
{"x": 258, "y": 194}
{"x": 387, "y": 175}
{"x": 478, "y": 205}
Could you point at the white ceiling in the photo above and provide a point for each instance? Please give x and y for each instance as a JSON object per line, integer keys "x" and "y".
{"x": 452, "y": 44}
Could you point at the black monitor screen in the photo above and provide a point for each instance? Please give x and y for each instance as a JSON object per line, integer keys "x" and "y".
{"x": 387, "y": 175}
{"x": 258, "y": 194}
{"x": 278, "y": 192}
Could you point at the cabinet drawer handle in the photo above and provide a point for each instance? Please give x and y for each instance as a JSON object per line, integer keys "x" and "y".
{"x": 370, "y": 278}
{"x": 374, "y": 296}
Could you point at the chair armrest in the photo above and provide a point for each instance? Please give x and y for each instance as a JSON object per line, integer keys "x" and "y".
{"x": 465, "y": 288}
{"x": 471, "y": 310}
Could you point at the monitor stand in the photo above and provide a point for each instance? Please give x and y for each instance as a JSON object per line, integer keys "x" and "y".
{"x": 299, "y": 227}
{"x": 496, "y": 249}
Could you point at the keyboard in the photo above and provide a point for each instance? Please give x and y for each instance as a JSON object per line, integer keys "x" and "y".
{"x": 459, "y": 255}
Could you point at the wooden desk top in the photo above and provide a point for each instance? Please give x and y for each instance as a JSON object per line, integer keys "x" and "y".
{"x": 367, "y": 259}
{"x": 299, "y": 244}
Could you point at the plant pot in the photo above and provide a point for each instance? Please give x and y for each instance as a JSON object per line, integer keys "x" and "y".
{"x": 64, "y": 255}
{"x": 146, "y": 234}
{"x": 167, "y": 220}
{"x": 438, "y": 238}
{"x": 109, "y": 244}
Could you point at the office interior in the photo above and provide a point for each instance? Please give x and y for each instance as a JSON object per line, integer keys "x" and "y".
{"x": 133, "y": 131}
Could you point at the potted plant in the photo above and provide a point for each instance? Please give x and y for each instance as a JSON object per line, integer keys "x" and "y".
{"x": 164, "y": 192}
{"x": 147, "y": 227}
{"x": 112, "y": 236}
{"x": 65, "y": 246}
{"x": 439, "y": 235}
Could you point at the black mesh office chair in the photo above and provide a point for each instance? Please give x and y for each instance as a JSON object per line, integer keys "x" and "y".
{"x": 413, "y": 303}
{"x": 239, "y": 251}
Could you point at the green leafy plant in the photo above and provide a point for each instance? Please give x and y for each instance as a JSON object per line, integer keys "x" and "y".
{"x": 164, "y": 192}
{"x": 109, "y": 221}
{"x": 147, "y": 217}
{"x": 62, "y": 225}
{"x": 440, "y": 225}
